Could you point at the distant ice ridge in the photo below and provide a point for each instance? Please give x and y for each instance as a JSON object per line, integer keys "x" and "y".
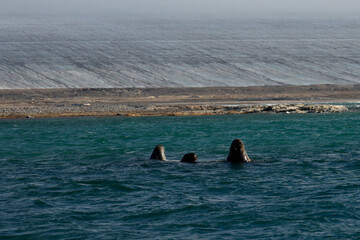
{"x": 83, "y": 53}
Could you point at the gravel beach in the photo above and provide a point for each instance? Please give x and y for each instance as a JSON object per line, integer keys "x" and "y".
{"x": 22, "y": 103}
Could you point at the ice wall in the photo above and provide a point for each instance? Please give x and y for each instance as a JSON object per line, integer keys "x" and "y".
{"x": 74, "y": 53}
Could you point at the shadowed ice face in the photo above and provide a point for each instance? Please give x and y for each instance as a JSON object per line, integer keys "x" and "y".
{"x": 158, "y": 153}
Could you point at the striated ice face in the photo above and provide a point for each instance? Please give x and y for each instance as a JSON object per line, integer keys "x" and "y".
{"x": 76, "y": 53}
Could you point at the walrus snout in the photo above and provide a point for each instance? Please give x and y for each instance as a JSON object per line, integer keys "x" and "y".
{"x": 237, "y": 153}
{"x": 189, "y": 158}
{"x": 158, "y": 153}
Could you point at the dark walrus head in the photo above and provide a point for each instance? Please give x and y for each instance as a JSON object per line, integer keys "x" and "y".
{"x": 237, "y": 152}
{"x": 158, "y": 153}
{"x": 189, "y": 158}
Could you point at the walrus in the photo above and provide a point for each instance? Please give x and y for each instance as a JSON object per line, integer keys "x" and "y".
{"x": 189, "y": 158}
{"x": 237, "y": 153}
{"x": 158, "y": 153}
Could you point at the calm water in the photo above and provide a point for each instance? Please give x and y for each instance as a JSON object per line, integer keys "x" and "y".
{"x": 90, "y": 178}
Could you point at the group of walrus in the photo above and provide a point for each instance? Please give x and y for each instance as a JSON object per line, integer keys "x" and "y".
{"x": 237, "y": 153}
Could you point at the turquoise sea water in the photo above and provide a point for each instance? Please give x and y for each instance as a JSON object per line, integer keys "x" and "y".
{"x": 90, "y": 178}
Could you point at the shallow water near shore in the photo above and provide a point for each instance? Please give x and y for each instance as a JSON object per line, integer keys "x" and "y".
{"x": 90, "y": 178}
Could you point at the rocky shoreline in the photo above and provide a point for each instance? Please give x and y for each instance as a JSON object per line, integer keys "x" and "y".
{"x": 38, "y": 103}
{"x": 163, "y": 110}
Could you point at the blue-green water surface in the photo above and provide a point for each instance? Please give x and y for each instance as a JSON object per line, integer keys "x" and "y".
{"x": 90, "y": 178}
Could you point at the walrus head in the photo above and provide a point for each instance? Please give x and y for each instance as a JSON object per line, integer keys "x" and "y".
{"x": 237, "y": 153}
{"x": 158, "y": 153}
{"x": 189, "y": 158}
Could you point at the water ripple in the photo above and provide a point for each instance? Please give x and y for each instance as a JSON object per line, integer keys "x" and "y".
{"x": 303, "y": 185}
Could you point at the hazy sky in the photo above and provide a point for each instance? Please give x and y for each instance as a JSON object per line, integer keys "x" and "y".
{"x": 180, "y": 7}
